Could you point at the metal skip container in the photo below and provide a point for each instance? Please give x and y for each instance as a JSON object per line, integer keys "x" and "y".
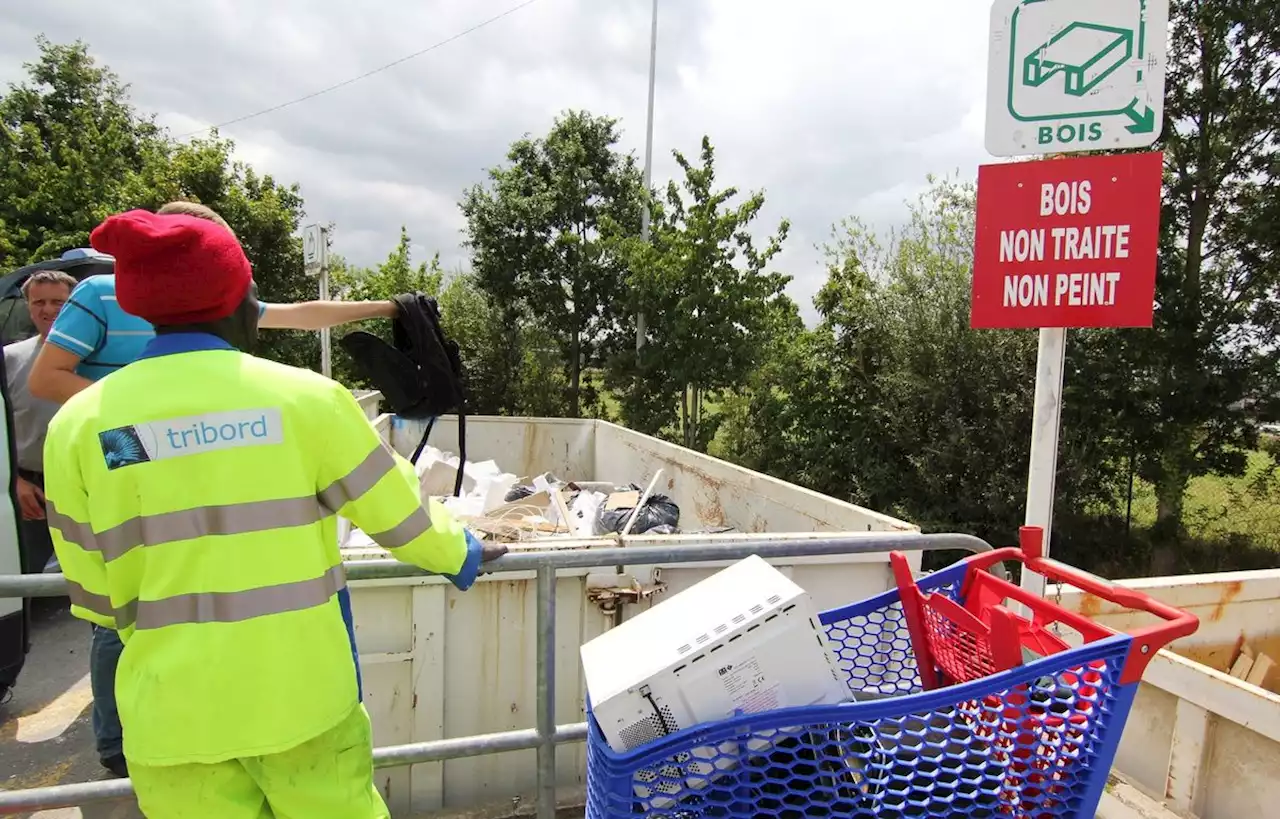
{"x": 439, "y": 664}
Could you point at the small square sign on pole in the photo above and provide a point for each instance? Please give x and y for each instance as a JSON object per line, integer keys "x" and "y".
{"x": 1067, "y": 242}
{"x": 315, "y": 261}
{"x": 315, "y": 249}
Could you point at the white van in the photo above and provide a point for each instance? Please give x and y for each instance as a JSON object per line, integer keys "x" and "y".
{"x": 14, "y": 615}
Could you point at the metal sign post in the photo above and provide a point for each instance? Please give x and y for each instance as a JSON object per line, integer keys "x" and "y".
{"x": 315, "y": 260}
{"x": 1069, "y": 242}
{"x": 1046, "y": 418}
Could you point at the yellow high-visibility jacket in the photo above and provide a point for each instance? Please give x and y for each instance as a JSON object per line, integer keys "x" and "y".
{"x": 192, "y": 498}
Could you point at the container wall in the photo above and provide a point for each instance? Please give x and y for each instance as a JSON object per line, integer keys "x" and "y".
{"x": 1228, "y": 604}
{"x": 438, "y": 663}
{"x": 711, "y": 493}
{"x": 715, "y": 493}
{"x": 1203, "y": 741}
{"x": 442, "y": 664}
{"x": 1240, "y": 779}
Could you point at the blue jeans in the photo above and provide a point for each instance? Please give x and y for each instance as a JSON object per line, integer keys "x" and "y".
{"x": 104, "y": 655}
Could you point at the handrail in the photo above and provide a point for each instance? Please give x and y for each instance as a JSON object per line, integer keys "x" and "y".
{"x": 547, "y": 734}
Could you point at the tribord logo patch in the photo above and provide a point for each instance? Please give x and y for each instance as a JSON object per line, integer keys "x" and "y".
{"x": 191, "y": 435}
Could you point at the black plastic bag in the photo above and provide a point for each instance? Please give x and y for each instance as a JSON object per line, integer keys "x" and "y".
{"x": 518, "y": 492}
{"x": 658, "y": 510}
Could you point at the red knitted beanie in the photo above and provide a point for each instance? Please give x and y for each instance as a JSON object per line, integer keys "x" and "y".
{"x": 174, "y": 270}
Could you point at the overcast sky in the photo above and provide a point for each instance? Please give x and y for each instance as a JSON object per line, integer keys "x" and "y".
{"x": 832, "y": 107}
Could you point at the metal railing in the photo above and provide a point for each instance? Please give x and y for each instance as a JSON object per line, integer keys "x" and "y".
{"x": 546, "y": 734}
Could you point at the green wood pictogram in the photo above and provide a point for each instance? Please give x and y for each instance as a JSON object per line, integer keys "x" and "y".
{"x": 1083, "y": 55}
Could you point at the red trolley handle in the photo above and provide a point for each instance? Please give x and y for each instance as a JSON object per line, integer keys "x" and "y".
{"x": 1146, "y": 640}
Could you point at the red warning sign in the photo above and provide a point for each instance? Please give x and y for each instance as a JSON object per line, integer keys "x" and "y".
{"x": 1067, "y": 242}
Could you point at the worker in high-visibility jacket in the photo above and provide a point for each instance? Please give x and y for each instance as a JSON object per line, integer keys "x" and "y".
{"x": 192, "y": 497}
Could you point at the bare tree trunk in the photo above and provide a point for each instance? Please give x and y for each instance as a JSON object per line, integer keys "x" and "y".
{"x": 575, "y": 374}
{"x": 1171, "y": 491}
{"x": 684, "y": 414}
{"x": 695, "y": 408}
{"x": 512, "y": 365}
{"x": 1177, "y": 461}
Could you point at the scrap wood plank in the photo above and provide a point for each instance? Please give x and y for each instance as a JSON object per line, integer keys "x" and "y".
{"x": 1242, "y": 666}
{"x": 623, "y": 500}
{"x": 1260, "y": 673}
{"x": 1235, "y": 653}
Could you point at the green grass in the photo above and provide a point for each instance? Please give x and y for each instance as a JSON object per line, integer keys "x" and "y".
{"x": 1218, "y": 507}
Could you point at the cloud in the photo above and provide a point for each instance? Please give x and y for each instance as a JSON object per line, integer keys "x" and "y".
{"x": 831, "y": 107}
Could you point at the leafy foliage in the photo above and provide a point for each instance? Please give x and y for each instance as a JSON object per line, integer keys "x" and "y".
{"x": 540, "y": 246}
{"x": 710, "y": 302}
{"x": 894, "y": 403}
{"x": 1193, "y": 387}
{"x": 73, "y": 151}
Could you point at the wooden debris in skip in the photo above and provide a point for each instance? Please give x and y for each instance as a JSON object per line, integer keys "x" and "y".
{"x": 623, "y": 500}
{"x": 1261, "y": 673}
{"x": 1255, "y": 669}
{"x": 1242, "y": 666}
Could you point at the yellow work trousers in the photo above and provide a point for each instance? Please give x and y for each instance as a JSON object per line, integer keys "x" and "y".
{"x": 329, "y": 777}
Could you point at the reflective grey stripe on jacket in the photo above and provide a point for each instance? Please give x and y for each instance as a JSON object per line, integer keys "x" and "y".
{"x": 232, "y": 607}
{"x": 214, "y": 607}
{"x": 245, "y": 518}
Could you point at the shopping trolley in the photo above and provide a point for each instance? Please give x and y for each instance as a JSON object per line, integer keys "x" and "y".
{"x": 974, "y": 698}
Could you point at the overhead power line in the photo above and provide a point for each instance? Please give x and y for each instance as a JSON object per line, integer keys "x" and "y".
{"x": 363, "y": 76}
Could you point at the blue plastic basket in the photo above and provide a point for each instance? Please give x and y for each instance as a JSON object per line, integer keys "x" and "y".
{"x": 1036, "y": 741}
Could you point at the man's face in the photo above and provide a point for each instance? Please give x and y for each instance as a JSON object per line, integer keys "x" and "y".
{"x": 44, "y": 300}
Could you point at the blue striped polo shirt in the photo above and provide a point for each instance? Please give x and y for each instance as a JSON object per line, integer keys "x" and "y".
{"x": 92, "y": 325}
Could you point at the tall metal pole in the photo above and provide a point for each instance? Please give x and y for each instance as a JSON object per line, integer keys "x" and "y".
{"x": 648, "y": 158}
{"x": 326, "y": 354}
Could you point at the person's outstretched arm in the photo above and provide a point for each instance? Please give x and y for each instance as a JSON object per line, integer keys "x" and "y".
{"x": 317, "y": 315}
{"x": 377, "y": 490}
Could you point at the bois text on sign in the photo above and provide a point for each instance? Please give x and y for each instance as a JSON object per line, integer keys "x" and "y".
{"x": 1067, "y": 242}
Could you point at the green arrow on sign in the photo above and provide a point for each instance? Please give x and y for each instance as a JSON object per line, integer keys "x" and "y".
{"x": 1143, "y": 123}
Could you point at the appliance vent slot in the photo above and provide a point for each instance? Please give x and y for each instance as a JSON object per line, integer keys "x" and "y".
{"x": 648, "y": 729}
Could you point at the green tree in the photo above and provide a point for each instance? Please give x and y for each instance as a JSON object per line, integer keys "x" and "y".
{"x": 470, "y": 318}
{"x": 709, "y": 299}
{"x": 467, "y": 315}
{"x": 539, "y": 246}
{"x": 394, "y": 275}
{"x": 72, "y": 151}
{"x": 893, "y": 401}
{"x": 1212, "y": 356}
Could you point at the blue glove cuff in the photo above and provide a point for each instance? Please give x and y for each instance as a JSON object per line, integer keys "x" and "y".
{"x": 470, "y": 567}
